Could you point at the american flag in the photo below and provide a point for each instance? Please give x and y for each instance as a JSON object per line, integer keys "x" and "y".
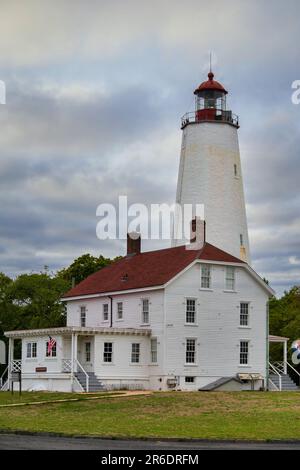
{"x": 51, "y": 344}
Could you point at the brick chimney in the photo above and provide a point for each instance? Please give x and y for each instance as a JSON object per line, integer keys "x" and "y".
{"x": 197, "y": 231}
{"x": 133, "y": 243}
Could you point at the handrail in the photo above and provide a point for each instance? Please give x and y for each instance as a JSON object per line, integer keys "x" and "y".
{"x": 1, "y": 378}
{"x": 274, "y": 385}
{"x": 85, "y": 373}
{"x": 276, "y": 372}
{"x": 288, "y": 364}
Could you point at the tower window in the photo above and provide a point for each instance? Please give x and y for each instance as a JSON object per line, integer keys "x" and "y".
{"x": 241, "y": 239}
{"x": 235, "y": 169}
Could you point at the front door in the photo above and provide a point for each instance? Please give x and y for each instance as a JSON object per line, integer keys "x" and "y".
{"x": 87, "y": 357}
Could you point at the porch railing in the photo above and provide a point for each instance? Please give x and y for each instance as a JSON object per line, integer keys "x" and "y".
{"x": 16, "y": 365}
{"x": 66, "y": 365}
{"x": 275, "y": 371}
{"x": 77, "y": 363}
{"x": 3, "y": 378}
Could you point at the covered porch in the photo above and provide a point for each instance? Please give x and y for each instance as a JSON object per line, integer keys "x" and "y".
{"x": 282, "y": 374}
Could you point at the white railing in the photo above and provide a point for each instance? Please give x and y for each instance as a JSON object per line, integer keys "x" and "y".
{"x": 275, "y": 371}
{"x": 3, "y": 379}
{"x": 279, "y": 366}
{"x": 66, "y": 365}
{"x": 16, "y": 365}
{"x": 77, "y": 363}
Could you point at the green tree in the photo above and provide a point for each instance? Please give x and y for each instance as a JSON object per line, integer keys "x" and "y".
{"x": 83, "y": 266}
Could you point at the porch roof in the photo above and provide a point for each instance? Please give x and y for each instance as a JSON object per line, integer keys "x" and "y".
{"x": 69, "y": 330}
{"x": 277, "y": 339}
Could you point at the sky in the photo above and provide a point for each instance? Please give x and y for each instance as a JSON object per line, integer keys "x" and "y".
{"x": 94, "y": 95}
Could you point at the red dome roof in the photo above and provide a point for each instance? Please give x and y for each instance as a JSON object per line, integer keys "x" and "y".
{"x": 210, "y": 84}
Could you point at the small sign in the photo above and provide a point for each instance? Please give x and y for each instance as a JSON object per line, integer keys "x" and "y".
{"x": 16, "y": 376}
{"x": 41, "y": 369}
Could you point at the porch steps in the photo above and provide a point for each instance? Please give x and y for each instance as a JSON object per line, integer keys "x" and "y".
{"x": 95, "y": 385}
{"x": 287, "y": 383}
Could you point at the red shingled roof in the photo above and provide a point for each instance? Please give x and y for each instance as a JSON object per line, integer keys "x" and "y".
{"x": 149, "y": 269}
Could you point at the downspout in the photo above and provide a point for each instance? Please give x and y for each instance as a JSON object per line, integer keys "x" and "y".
{"x": 111, "y": 311}
{"x": 267, "y": 347}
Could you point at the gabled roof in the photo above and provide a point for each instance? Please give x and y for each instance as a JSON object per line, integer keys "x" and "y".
{"x": 148, "y": 269}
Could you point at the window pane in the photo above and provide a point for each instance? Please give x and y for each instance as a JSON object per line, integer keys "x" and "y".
{"x": 82, "y": 316}
{"x": 120, "y": 310}
{"x": 154, "y": 350}
{"x": 205, "y": 276}
{"x": 135, "y": 352}
{"x": 230, "y": 278}
{"x": 244, "y": 314}
{"x": 244, "y": 350}
{"x": 190, "y": 311}
{"x": 28, "y": 350}
{"x": 105, "y": 312}
{"x": 107, "y": 354}
{"x": 190, "y": 351}
{"x": 145, "y": 311}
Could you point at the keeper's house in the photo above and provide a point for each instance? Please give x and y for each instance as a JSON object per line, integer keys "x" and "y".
{"x": 177, "y": 318}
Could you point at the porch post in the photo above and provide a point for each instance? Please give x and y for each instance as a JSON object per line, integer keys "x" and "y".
{"x": 75, "y": 351}
{"x": 72, "y": 359}
{"x": 285, "y": 357}
{"x": 10, "y": 360}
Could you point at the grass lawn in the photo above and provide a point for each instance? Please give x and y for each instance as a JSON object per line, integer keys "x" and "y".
{"x": 6, "y": 398}
{"x": 214, "y": 415}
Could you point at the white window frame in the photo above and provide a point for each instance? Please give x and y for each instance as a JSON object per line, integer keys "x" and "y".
{"x": 205, "y": 278}
{"x": 195, "y": 352}
{"x": 187, "y": 300}
{"x": 119, "y": 310}
{"x": 135, "y": 353}
{"x": 232, "y": 280}
{"x": 153, "y": 351}
{"x": 108, "y": 352}
{"x": 104, "y": 313}
{"x": 145, "y": 312}
{"x": 83, "y": 316}
{"x": 31, "y": 348}
{"x": 244, "y": 315}
{"x": 245, "y": 341}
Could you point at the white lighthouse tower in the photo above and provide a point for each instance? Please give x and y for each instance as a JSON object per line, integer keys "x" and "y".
{"x": 210, "y": 170}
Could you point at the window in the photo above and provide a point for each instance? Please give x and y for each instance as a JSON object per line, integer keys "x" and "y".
{"x": 119, "y": 310}
{"x": 105, "y": 312}
{"x": 190, "y": 314}
{"x": 241, "y": 239}
{"x": 235, "y": 169}
{"x": 135, "y": 352}
{"x": 82, "y": 316}
{"x": 145, "y": 311}
{"x": 244, "y": 314}
{"x": 244, "y": 352}
{"x": 51, "y": 348}
{"x": 189, "y": 380}
{"x": 87, "y": 352}
{"x": 205, "y": 276}
{"x": 190, "y": 351}
{"x": 230, "y": 278}
{"x": 154, "y": 350}
{"x": 31, "y": 350}
{"x": 107, "y": 352}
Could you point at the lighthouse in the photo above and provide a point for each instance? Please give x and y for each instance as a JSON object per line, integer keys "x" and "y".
{"x": 210, "y": 170}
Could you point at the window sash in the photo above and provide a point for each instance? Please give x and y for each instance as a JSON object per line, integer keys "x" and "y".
{"x": 244, "y": 314}
{"x": 244, "y": 352}
{"x": 107, "y": 352}
{"x": 189, "y": 380}
{"x": 31, "y": 350}
{"x": 230, "y": 278}
{"x": 205, "y": 276}
{"x": 105, "y": 312}
{"x": 120, "y": 310}
{"x": 145, "y": 311}
{"x": 82, "y": 316}
{"x": 135, "y": 352}
{"x": 190, "y": 353}
{"x": 190, "y": 314}
{"x": 154, "y": 350}
{"x": 87, "y": 352}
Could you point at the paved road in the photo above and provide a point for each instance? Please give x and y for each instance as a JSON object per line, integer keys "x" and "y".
{"x": 23, "y": 442}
